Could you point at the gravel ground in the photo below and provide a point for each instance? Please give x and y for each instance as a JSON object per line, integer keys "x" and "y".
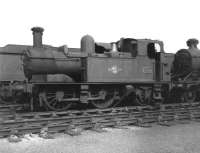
{"x": 180, "y": 138}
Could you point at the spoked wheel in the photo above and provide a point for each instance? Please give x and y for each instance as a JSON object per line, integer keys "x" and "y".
{"x": 107, "y": 98}
{"x": 143, "y": 96}
{"x": 55, "y": 100}
{"x": 190, "y": 95}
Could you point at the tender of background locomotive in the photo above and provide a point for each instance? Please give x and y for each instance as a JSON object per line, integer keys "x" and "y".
{"x": 100, "y": 74}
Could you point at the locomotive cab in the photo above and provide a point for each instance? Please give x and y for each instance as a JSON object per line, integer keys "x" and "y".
{"x": 155, "y": 52}
{"x": 149, "y": 50}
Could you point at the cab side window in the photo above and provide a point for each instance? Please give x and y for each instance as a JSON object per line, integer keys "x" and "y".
{"x": 130, "y": 46}
{"x": 151, "y": 51}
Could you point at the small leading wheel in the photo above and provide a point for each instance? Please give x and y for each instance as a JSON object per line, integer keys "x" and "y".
{"x": 107, "y": 99}
{"x": 55, "y": 100}
{"x": 190, "y": 95}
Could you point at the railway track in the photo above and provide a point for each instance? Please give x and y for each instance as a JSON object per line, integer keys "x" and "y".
{"x": 8, "y": 109}
{"x": 66, "y": 121}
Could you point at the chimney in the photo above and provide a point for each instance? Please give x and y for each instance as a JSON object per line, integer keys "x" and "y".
{"x": 37, "y": 36}
{"x": 192, "y": 43}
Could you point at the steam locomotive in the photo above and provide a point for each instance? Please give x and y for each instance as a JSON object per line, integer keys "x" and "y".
{"x": 98, "y": 74}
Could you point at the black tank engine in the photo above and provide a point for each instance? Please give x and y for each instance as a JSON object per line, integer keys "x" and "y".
{"x": 97, "y": 74}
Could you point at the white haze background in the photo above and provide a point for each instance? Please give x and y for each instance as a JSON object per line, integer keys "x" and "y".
{"x": 65, "y": 22}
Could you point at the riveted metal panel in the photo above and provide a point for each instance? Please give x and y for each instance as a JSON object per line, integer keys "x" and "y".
{"x": 102, "y": 69}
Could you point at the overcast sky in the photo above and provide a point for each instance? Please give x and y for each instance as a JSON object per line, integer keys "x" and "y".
{"x": 65, "y": 22}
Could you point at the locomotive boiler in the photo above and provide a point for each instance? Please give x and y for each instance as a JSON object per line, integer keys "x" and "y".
{"x": 41, "y": 60}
